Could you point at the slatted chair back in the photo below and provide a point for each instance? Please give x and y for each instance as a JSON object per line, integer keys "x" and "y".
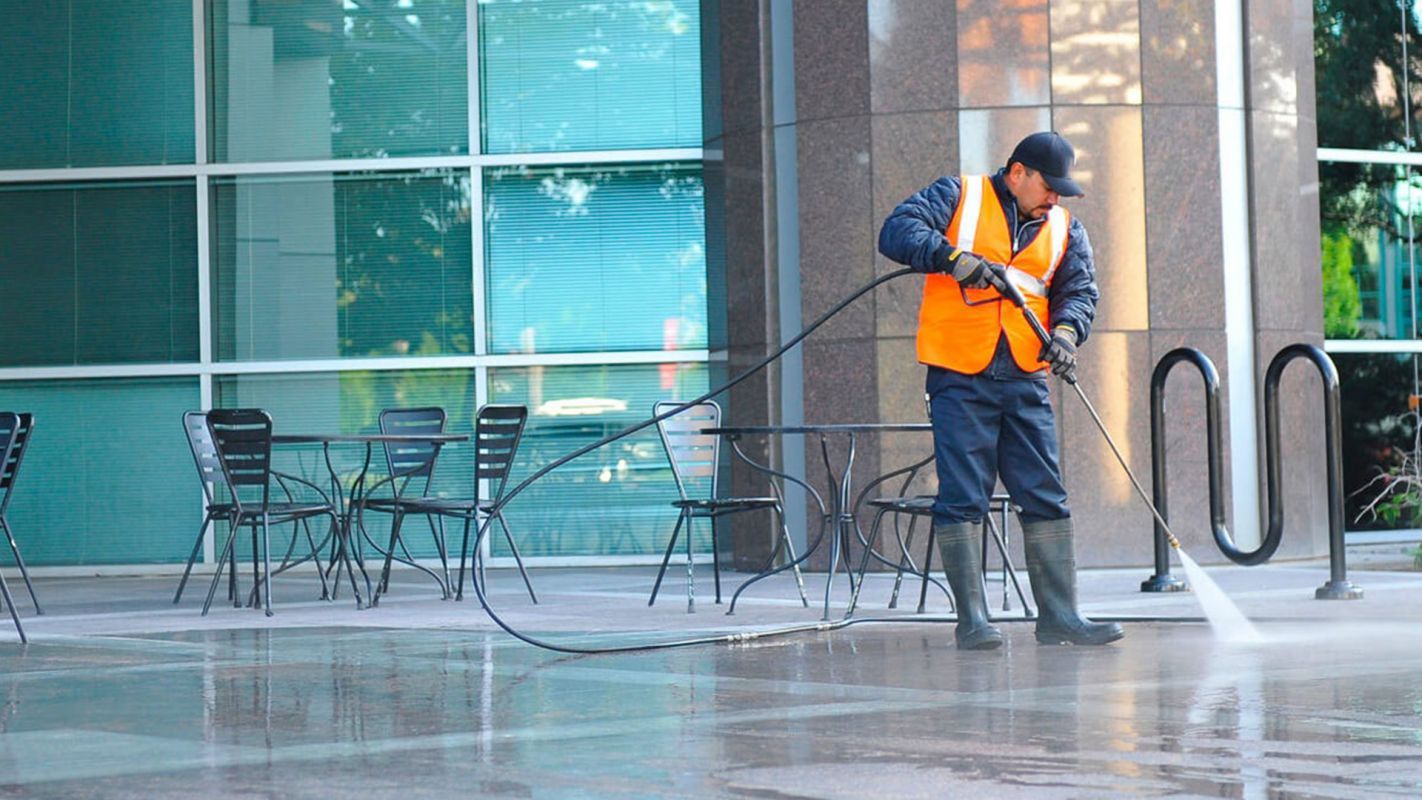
{"x": 14, "y": 435}
{"x": 497, "y": 431}
{"x": 205, "y": 458}
{"x": 694, "y": 455}
{"x": 243, "y": 437}
{"x": 410, "y": 460}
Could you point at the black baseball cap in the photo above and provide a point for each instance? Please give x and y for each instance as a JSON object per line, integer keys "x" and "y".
{"x": 1049, "y": 153}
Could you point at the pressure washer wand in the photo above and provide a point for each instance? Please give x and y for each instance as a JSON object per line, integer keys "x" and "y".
{"x": 1014, "y": 295}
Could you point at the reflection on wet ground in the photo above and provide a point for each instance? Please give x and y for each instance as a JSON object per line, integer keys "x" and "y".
{"x": 1320, "y": 709}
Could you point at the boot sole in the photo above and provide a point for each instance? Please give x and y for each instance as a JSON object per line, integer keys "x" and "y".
{"x": 1053, "y": 638}
{"x": 991, "y": 641}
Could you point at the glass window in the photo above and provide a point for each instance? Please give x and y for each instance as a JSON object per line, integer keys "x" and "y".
{"x": 573, "y": 75}
{"x": 615, "y": 500}
{"x": 1380, "y": 446}
{"x": 351, "y": 402}
{"x": 99, "y": 273}
{"x": 1360, "y": 80}
{"x": 108, "y": 477}
{"x": 316, "y": 79}
{"x": 1368, "y": 263}
{"x": 595, "y": 259}
{"x": 332, "y": 266}
{"x": 75, "y": 91}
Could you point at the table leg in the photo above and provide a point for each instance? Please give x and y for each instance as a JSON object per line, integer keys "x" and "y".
{"x": 342, "y": 556}
{"x": 843, "y": 522}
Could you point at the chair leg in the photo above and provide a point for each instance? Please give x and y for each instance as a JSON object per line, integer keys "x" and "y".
{"x": 232, "y": 572}
{"x": 383, "y": 585}
{"x": 928, "y": 572}
{"x": 256, "y": 566}
{"x": 442, "y": 547}
{"x": 666, "y": 557}
{"x": 267, "y": 560}
{"x": 192, "y": 557}
{"x": 517, "y": 558}
{"x": 690, "y": 566}
{"x": 905, "y": 559}
{"x": 14, "y": 612}
{"x": 715, "y": 560}
{"x": 463, "y": 558}
{"x": 1010, "y": 571}
{"x": 228, "y": 550}
{"x": 794, "y": 560}
{"x": 864, "y": 561}
{"x": 20, "y": 562}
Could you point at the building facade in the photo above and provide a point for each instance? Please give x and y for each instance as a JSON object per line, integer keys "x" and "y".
{"x": 329, "y": 207}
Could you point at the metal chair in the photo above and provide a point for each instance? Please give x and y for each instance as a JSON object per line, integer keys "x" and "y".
{"x": 242, "y": 441}
{"x": 497, "y": 432}
{"x": 407, "y": 462}
{"x": 921, "y": 506}
{"x": 695, "y": 457}
{"x": 210, "y": 475}
{"x": 15, "y": 430}
{"x": 18, "y": 427}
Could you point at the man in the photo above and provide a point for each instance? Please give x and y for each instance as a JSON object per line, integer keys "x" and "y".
{"x": 986, "y": 388}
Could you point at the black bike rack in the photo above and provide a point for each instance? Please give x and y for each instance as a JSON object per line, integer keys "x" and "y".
{"x": 1162, "y": 580}
{"x": 1338, "y": 586}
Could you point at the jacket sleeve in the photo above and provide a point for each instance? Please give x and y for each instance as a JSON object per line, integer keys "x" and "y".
{"x": 913, "y": 233}
{"x": 1072, "y": 298}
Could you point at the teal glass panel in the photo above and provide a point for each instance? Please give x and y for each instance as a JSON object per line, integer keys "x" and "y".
{"x": 595, "y": 258}
{"x": 563, "y": 75}
{"x": 348, "y": 403}
{"x": 615, "y": 500}
{"x": 79, "y": 90}
{"x": 341, "y": 265}
{"x": 108, "y": 477}
{"x": 99, "y": 273}
{"x": 1367, "y": 253}
{"x": 317, "y": 79}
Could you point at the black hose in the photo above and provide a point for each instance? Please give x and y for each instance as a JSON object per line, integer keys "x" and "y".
{"x": 625, "y": 432}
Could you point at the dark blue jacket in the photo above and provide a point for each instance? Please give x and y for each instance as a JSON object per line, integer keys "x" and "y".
{"x": 914, "y": 235}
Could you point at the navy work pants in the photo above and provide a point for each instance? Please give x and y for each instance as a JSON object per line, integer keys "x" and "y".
{"x": 984, "y": 428}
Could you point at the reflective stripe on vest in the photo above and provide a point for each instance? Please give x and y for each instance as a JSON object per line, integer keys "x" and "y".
{"x": 958, "y": 328}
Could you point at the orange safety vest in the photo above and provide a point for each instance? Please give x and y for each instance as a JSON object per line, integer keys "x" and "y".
{"x": 958, "y": 328}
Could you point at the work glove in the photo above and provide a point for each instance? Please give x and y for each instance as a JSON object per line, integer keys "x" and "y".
{"x": 972, "y": 271}
{"x": 1060, "y": 353}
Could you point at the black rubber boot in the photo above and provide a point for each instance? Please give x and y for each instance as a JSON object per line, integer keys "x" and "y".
{"x": 1051, "y": 564}
{"x": 963, "y": 563}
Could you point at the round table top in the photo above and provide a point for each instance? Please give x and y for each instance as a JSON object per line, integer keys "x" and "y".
{"x": 836, "y": 427}
{"x": 392, "y": 438}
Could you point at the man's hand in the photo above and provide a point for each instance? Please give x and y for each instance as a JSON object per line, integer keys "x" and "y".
{"x": 1060, "y": 353}
{"x": 972, "y": 271}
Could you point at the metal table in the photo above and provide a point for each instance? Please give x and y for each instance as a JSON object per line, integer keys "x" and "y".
{"x": 840, "y": 516}
{"x": 346, "y": 506}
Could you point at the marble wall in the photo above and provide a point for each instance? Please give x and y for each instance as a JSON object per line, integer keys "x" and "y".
{"x": 887, "y": 95}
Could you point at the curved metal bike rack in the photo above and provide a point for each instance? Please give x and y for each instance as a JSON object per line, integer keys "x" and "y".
{"x": 1162, "y": 580}
{"x": 1338, "y": 587}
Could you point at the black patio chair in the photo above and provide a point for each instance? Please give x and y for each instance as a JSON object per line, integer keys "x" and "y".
{"x": 408, "y": 462}
{"x": 15, "y": 430}
{"x": 242, "y": 438}
{"x": 918, "y": 507}
{"x": 210, "y": 475}
{"x": 694, "y": 457}
{"x": 497, "y": 432}
{"x": 18, "y": 428}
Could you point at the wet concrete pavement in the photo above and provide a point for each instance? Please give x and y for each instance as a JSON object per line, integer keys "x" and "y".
{"x": 121, "y": 694}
